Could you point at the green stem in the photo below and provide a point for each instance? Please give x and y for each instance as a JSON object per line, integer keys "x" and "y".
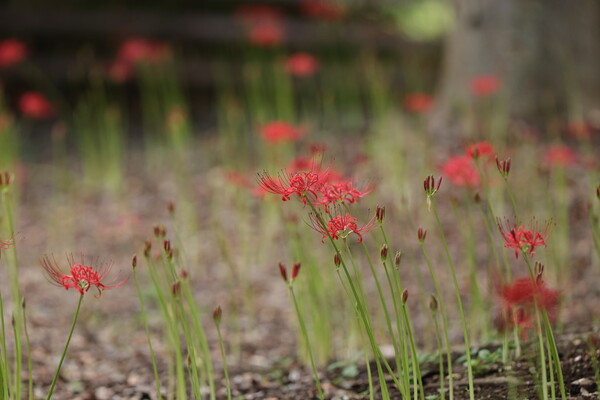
{"x": 64, "y": 353}
{"x": 225, "y": 371}
{"x": 147, "y": 329}
{"x": 305, "y": 334}
{"x": 459, "y": 301}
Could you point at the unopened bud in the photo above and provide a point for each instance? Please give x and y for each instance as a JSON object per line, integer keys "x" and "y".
{"x": 147, "y": 248}
{"x": 384, "y": 252}
{"x": 477, "y": 198}
{"x": 503, "y": 167}
{"x": 171, "y": 208}
{"x": 134, "y": 262}
{"x": 167, "y": 245}
{"x": 404, "y": 296}
{"x": 175, "y": 288}
{"x": 337, "y": 260}
{"x": 598, "y": 192}
{"x": 156, "y": 230}
{"x": 429, "y": 185}
{"x": 421, "y": 234}
{"x": 183, "y": 274}
{"x": 4, "y": 179}
{"x": 217, "y": 314}
{"x": 433, "y": 303}
{"x": 283, "y": 271}
{"x": 170, "y": 254}
{"x": 295, "y": 270}
{"x": 380, "y": 213}
{"x": 398, "y": 259}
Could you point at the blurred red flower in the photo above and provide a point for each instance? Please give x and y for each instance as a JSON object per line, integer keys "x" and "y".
{"x": 579, "y": 130}
{"x": 481, "y": 149}
{"x": 560, "y": 155}
{"x": 322, "y": 9}
{"x": 338, "y": 193}
{"x": 418, "y": 103}
{"x": 461, "y": 171}
{"x": 12, "y": 51}
{"x": 279, "y": 132}
{"x": 35, "y": 105}
{"x": 301, "y": 64}
{"x": 266, "y": 34}
{"x": 485, "y": 85}
{"x": 257, "y": 13}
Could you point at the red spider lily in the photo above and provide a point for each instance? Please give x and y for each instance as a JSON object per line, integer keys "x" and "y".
{"x": 418, "y": 103}
{"x": 461, "y": 171}
{"x": 82, "y": 277}
{"x": 560, "y": 155}
{"x": 519, "y": 300}
{"x": 485, "y": 85}
{"x": 322, "y": 9}
{"x": 280, "y": 131}
{"x": 304, "y": 164}
{"x": 137, "y": 50}
{"x": 7, "y": 244}
{"x": 256, "y": 13}
{"x": 522, "y": 239}
{"x": 301, "y": 65}
{"x": 341, "y": 226}
{"x": 304, "y": 184}
{"x": 337, "y": 193}
{"x": 35, "y": 105}
{"x": 580, "y": 130}
{"x": 238, "y": 179}
{"x": 12, "y": 51}
{"x": 266, "y": 34}
{"x": 481, "y": 149}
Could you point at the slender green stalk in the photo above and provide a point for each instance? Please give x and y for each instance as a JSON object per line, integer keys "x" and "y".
{"x": 305, "y": 334}
{"x": 417, "y": 379}
{"x": 6, "y": 382}
{"x": 147, "y": 329}
{"x": 64, "y": 353}
{"x": 225, "y": 370}
{"x": 438, "y": 340}
{"x": 459, "y": 301}
{"x": 440, "y": 299}
{"x": 29, "y": 362}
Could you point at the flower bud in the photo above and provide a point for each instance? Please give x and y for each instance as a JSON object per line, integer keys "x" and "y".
{"x": 147, "y": 248}
{"x": 176, "y": 288}
{"x": 503, "y": 167}
{"x": 380, "y": 213}
{"x": 134, "y": 262}
{"x": 171, "y": 208}
{"x": 404, "y": 296}
{"x": 217, "y": 314}
{"x": 433, "y": 303}
{"x": 295, "y": 270}
{"x": 384, "y": 252}
{"x": 183, "y": 274}
{"x": 421, "y": 234}
{"x": 167, "y": 245}
{"x": 337, "y": 260}
{"x": 283, "y": 271}
{"x": 477, "y": 198}
{"x": 398, "y": 259}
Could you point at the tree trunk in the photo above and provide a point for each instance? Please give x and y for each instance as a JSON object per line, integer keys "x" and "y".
{"x": 546, "y": 54}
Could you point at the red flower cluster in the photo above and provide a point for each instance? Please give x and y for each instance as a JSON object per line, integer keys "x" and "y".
{"x": 484, "y": 85}
{"x": 481, "y": 150}
{"x": 322, "y": 9}
{"x": 461, "y": 171}
{"x": 418, "y": 103}
{"x": 519, "y": 299}
{"x": 301, "y": 65}
{"x": 35, "y": 105}
{"x": 560, "y": 155}
{"x": 262, "y": 23}
{"x": 136, "y": 51}
{"x": 522, "y": 239}
{"x": 82, "y": 277}
{"x": 341, "y": 226}
{"x": 321, "y": 188}
{"x": 12, "y": 51}
{"x": 280, "y": 131}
